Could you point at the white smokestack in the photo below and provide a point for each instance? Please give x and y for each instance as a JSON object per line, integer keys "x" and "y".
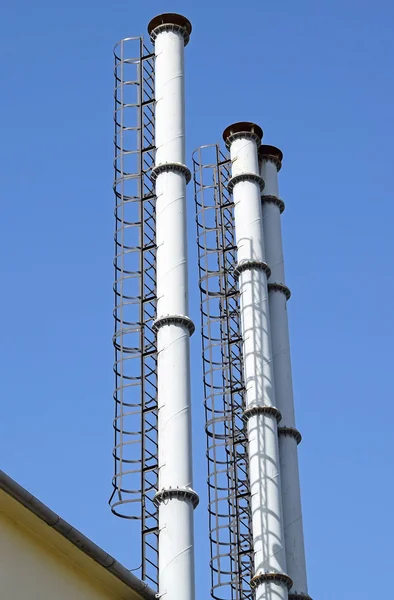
{"x": 270, "y": 579}
{"x": 175, "y": 498}
{"x": 289, "y": 437}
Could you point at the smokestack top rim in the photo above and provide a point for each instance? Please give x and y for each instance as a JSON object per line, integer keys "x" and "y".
{"x": 242, "y": 127}
{"x": 170, "y": 19}
{"x": 271, "y": 153}
{"x": 267, "y": 150}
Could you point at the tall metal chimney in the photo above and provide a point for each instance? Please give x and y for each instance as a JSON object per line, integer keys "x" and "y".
{"x": 270, "y": 579}
{"x": 175, "y": 498}
{"x": 289, "y": 436}
{"x": 255, "y": 521}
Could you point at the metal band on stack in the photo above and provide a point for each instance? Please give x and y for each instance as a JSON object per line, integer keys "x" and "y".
{"x": 245, "y": 177}
{"x": 280, "y": 287}
{"x": 174, "y": 320}
{"x": 266, "y": 198}
{"x": 291, "y": 432}
{"x": 280, "y": 578}
{"x": 168, "y": 167}
{"x": 182, "y": 493}
{"x": 271, "y": 411}
{"x": 251, "y": 264}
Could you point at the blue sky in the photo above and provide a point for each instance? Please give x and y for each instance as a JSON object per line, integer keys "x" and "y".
{"x": 317, "y": 76}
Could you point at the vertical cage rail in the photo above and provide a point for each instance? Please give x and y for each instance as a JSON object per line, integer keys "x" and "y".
{"x": 228, "y": 491}
{"x": 135, "y": 423}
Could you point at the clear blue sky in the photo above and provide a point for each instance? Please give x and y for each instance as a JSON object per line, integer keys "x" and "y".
{"x": 318, "y": 78}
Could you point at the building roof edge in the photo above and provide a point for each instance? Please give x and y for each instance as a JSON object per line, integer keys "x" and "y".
{"x": 73, "y": 535}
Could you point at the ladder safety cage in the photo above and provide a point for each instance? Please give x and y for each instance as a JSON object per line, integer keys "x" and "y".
{"x": 135, "y": 479}
{"x": 228, "y": 483}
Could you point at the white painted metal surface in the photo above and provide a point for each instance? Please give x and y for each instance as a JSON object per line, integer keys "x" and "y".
{"x": 172, "y": 291}
{"x": 268, "y": 537}
{"x": 291, "y": 499}
{"x": 170, "y": 97}
{"x": 175, "y": 497}
{"x": 269, "y": 168}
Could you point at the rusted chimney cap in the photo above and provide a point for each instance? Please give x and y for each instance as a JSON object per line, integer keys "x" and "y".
{"x": 170, "y": 19}
{"x": 271, "y": 153}
{"x": 242, "y": 127}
